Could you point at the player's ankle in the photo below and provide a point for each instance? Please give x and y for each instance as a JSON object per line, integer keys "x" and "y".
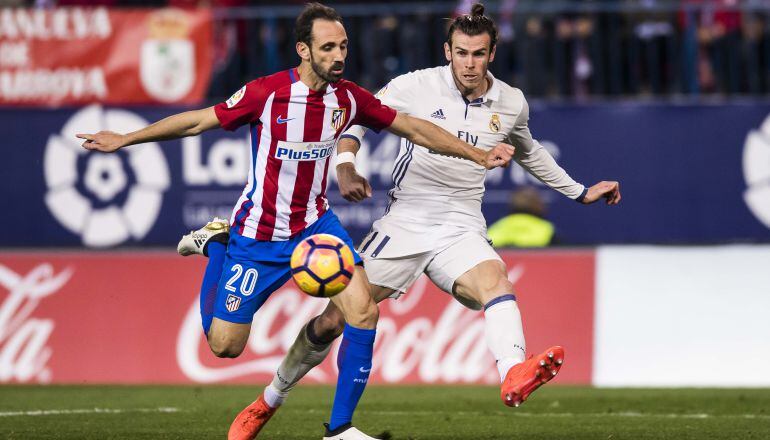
{"x": 505, "y": 365}
{"x": 273, "y": 397}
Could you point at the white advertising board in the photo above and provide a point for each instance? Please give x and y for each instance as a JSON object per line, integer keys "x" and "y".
{"x": 669, "y": 316}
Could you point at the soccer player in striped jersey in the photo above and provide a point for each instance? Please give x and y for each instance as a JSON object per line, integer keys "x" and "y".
{"x": 295, "y": 117}
{"x": 434, "y": 224}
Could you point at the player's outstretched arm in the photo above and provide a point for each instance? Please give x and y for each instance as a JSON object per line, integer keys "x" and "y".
{"x": 353, "y": 187}
{"x": 432, "y": 136}
{"x": 180, "y": 125}
{"x": 609, "y": 190}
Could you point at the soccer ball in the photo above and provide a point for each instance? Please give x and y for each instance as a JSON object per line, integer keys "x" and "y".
{"x": 322, "y": 265}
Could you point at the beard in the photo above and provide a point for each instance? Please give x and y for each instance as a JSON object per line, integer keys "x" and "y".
{"x": 466, "y": 85}
{"x": 326, "y": 75}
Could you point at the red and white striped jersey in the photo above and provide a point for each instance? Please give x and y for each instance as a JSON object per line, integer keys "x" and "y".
{"x": 294, "y": 132}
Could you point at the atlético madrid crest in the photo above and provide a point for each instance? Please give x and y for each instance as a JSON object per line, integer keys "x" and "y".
{"x": 232, "y": 303}
{"x": 338, "y": 118}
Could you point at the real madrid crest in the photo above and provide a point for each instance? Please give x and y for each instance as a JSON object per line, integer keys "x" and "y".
{"x": 494, "y": 123}
{"x": 338, "y": 118}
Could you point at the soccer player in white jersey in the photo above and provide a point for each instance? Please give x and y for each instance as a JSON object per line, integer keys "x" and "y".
{"x": 433, "y": 223}
{"x": 296, "y": 117}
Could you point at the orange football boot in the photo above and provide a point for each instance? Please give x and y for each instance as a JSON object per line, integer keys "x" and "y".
{"x": 524, "y": 378}
{"x": 251, "y": 420}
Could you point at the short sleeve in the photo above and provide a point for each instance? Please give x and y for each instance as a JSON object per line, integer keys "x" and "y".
{"x": 244, "y": 107}
{"x": 399, "y": 92}
{"x": 370, "y": 112}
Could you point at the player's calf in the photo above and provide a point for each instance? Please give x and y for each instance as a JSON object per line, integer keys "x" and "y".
{"x": 487, "y": 285}
{"x": 355, "y": 357}
{"x": 327, "y": 326}
{"x": 356, "y": 303}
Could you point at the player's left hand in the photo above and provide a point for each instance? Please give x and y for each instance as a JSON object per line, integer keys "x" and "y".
{"x": 105, "y": 141}
{"x": 353, "y": 187}
{"x": 499, "y": 156}
{"x": 609, "y": 190}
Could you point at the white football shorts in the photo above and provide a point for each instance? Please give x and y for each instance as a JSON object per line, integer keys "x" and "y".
{"x": 451, "y": 257}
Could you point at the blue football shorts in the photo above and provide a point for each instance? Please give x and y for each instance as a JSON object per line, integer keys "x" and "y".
{"x": 254, "y": 269}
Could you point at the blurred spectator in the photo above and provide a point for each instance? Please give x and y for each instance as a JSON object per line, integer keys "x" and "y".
{"x": 412, "y": 35}
{"x": 718, "y": 33}
{"x": 651, "y": 50}
{"x": 755, "y": 76}
{"x": 505, "y": 65}
{"x": 572, "y": 61}
{"x": 378, "y": 50}
{"x": 532, "y": 44}
{"x": 526, "y": 226}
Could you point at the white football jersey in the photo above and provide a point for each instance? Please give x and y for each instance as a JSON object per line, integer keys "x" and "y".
{"x": 432, "y": 189}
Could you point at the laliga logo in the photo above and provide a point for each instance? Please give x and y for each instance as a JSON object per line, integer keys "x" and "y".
{"x": 756, "y": 172}
{"x": 105, "y": 198}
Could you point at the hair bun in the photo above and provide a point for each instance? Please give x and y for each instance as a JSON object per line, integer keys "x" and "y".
{"x": 477, "y": 10}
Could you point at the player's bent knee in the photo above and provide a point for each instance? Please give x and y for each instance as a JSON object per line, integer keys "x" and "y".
{"x": 364, "y": 316}
{"x": 226, "y": 347}
{"x": 493, "y": 290}
{"x": 485, "y": 282}
{"x": 226, "y": 351}
{"x": 504, "y": 286}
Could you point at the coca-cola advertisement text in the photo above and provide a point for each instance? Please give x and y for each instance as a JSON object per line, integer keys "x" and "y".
{"x": 133, "y": 318}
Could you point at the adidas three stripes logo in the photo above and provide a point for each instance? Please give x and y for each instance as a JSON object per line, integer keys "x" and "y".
{"x": 438, "y": 114}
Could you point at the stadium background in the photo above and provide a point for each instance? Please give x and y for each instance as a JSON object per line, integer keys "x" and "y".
{"x": 667, "y": 289}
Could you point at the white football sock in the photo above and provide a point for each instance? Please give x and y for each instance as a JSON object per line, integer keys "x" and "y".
{"x": 301, "y": 358}
{"x": 273, "y": 397}
{"x": 504, "y": 334}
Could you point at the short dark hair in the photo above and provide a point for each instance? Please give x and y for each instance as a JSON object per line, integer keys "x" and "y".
{"x": 303, "y": 28}
{"x": 475, "y": 23}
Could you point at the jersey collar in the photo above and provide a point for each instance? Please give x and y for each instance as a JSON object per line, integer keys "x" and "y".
{"x": 294, "y": 76}
{"x": 493, "y": 93}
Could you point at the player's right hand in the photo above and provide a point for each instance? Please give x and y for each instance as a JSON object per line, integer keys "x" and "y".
{"x": 105, "y": 141}
{"x": 608, "y": 190}
{"x": 499, "y": 156}
{"x": 353, "y": 187}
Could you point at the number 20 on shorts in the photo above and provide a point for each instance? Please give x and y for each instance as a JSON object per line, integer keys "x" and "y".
{"x": 248, "y": 281}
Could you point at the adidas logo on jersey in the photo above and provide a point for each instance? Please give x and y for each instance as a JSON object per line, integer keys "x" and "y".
{"x": 438, "y": 114}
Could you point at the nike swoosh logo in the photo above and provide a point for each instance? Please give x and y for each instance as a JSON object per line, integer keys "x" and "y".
{"x": 364, "y": 371}
{"x": 283, "y": 121}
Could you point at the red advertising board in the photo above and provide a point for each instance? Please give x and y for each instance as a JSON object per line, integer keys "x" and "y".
{"x": 133, "y": 318}
{"x": 65, "y": 56}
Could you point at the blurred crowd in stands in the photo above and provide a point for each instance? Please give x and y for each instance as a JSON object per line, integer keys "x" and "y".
{"x": 551, "y": 49}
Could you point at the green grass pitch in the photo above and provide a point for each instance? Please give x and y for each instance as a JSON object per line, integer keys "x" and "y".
{"x": 398, "y": 412}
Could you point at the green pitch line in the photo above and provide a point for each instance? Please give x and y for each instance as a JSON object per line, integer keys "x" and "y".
{"x": 400, "y": 412}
